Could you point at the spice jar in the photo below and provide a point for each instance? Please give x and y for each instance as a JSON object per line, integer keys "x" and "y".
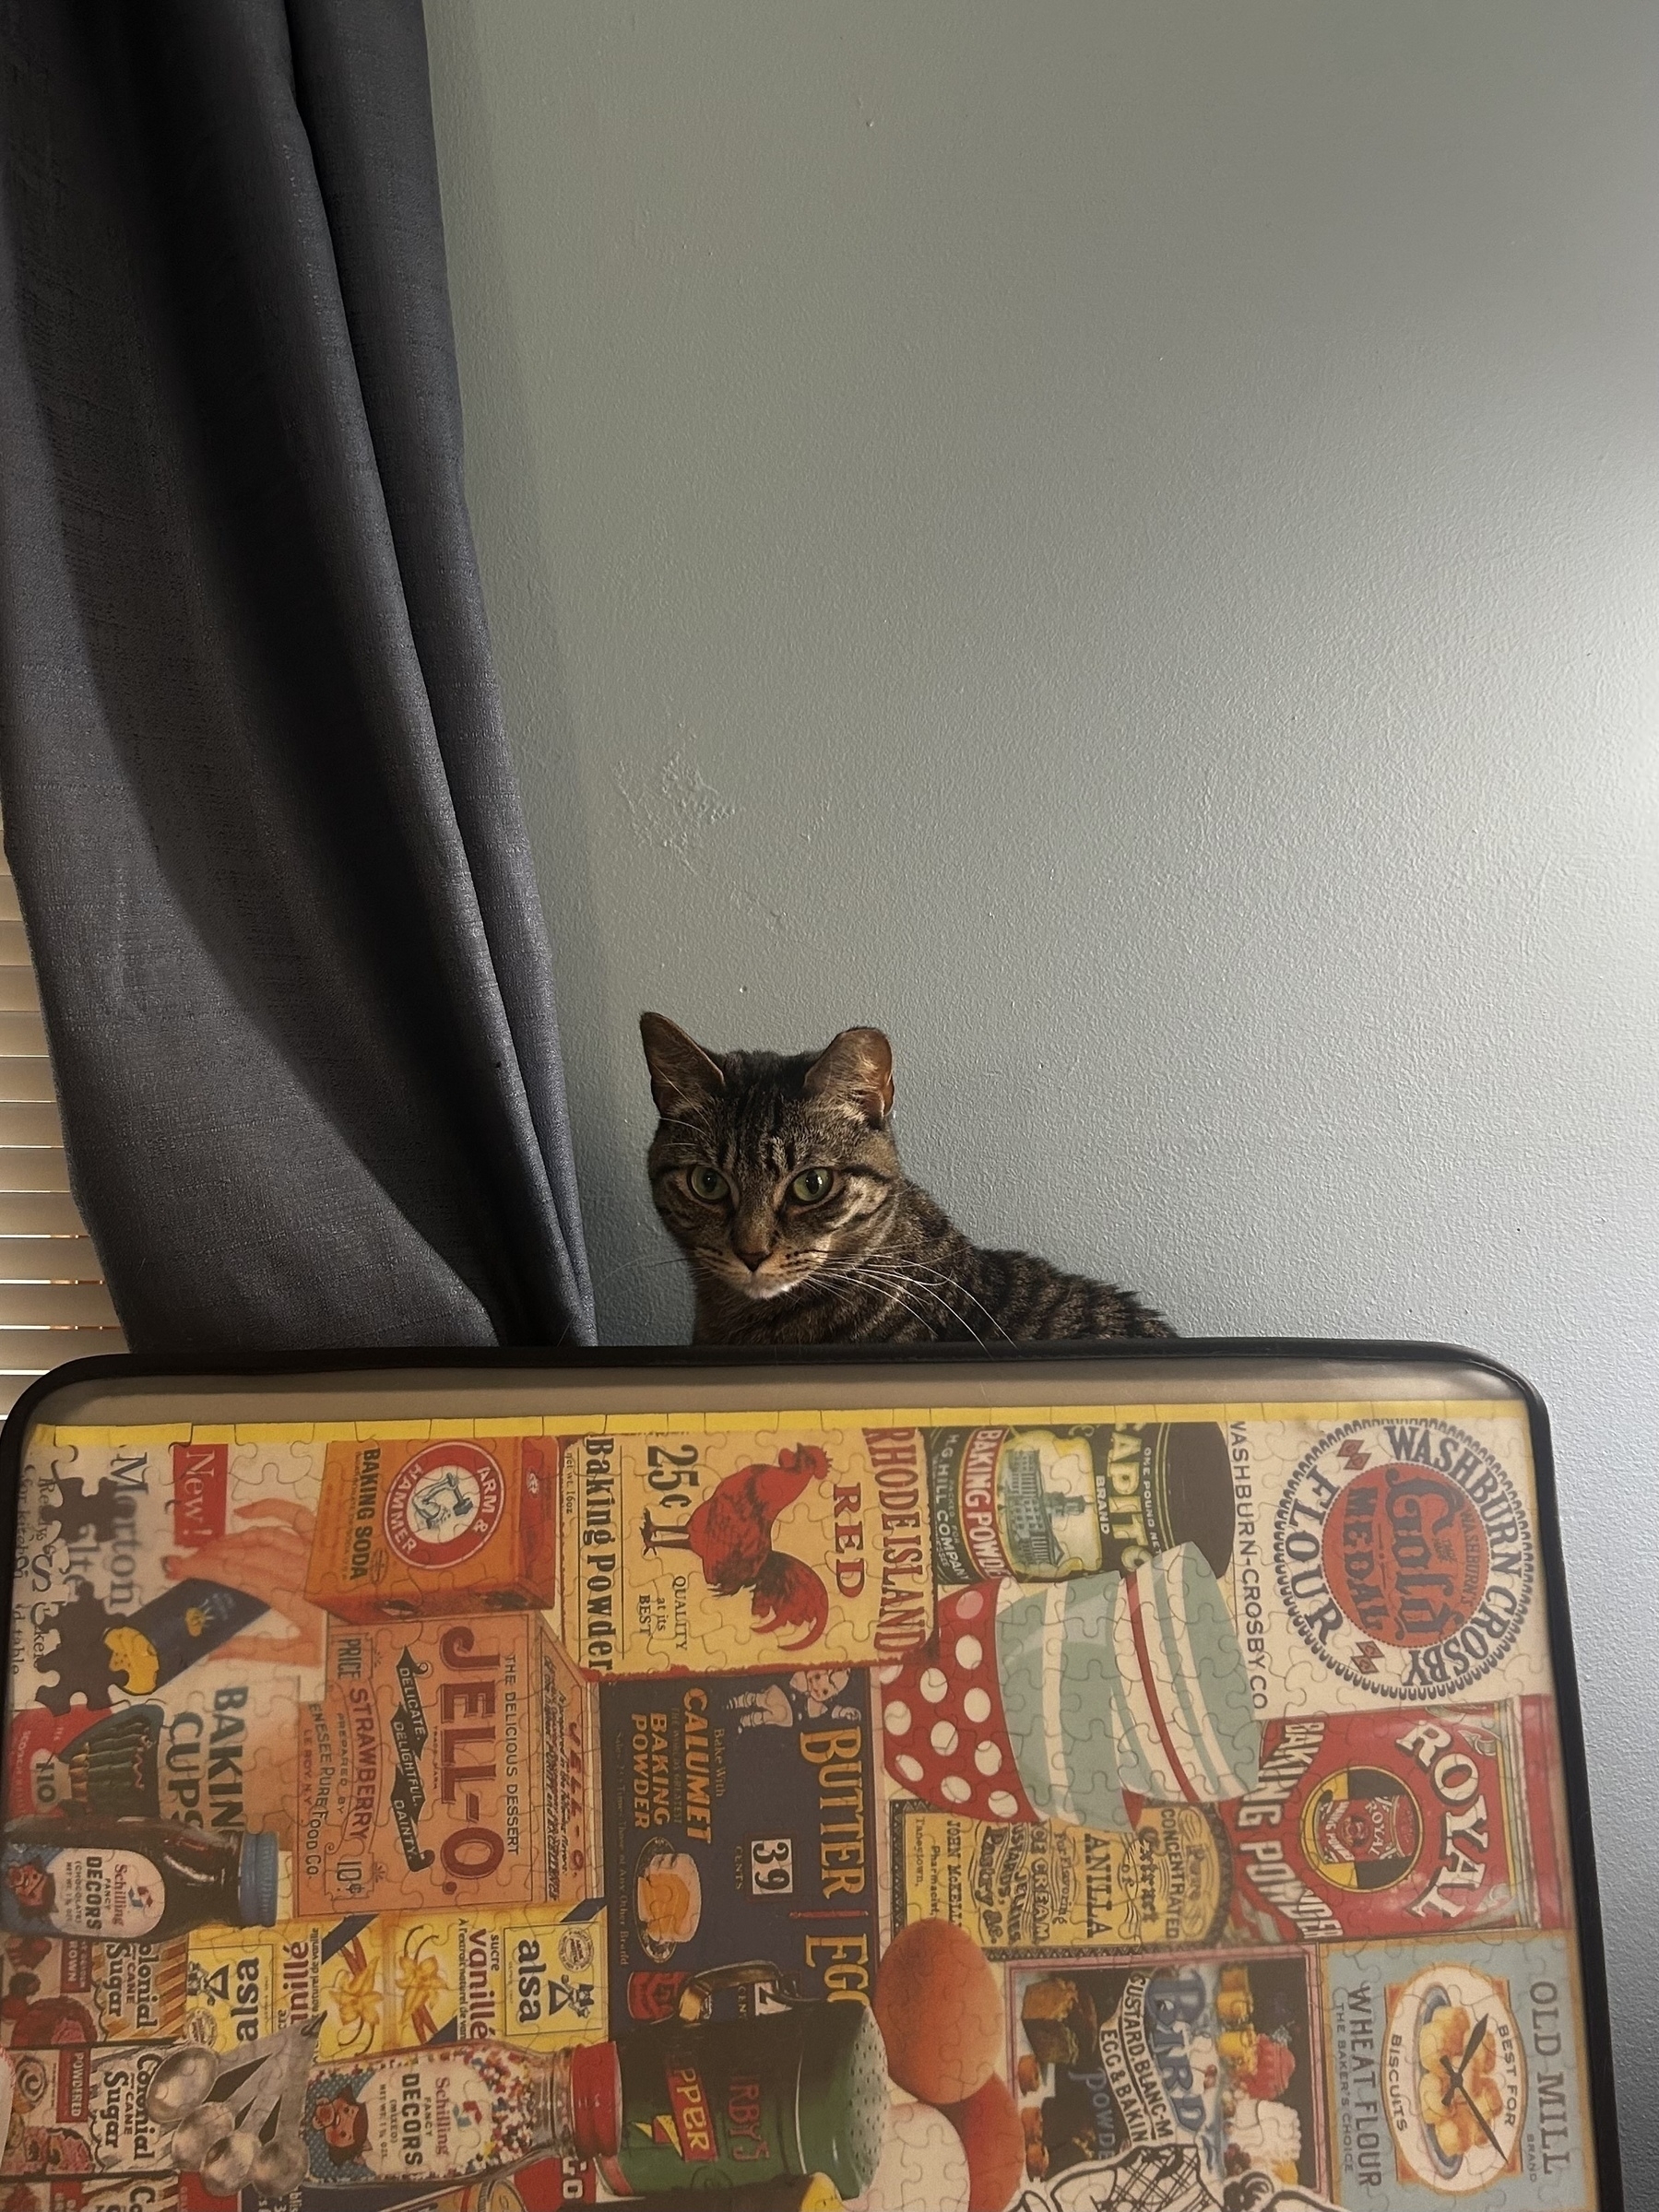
{"x": 124, "y": 1881}
{"x": 797, "y": 2095}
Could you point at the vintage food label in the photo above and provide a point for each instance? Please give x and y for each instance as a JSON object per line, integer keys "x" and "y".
{"x": 448, "y": 2113}
{"x": 1042, "y": 1501}
{"x": 1022, "y": 1891}
{"x": 534, "y": 1977}
{"x": 140, "y": 2193}
{"x": 1386, "y": 1560}
{"x": 1216, "y": 2054}
{"x": 1402, "y": 1823}
{"x": 803, "y": 1544}
{"x": 456, "y": 1525}
{"x": 444, "y": 1765}
{"x": 67, "y": 1991}
{"x": 81, "y": 2110}
{"x": 1454, "y": 2073}
{"x": 77, "y": 1890}
{"x": 740, "y": 1822}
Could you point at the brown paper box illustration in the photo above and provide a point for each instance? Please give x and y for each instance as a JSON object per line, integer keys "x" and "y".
{"x": 446, "y": 1766}
{"x": 407, "y": 1530}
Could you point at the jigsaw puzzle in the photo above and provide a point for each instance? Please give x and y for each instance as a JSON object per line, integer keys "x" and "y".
{"x": 1071, "y": 1808}
{"x": 78, "y": 1515}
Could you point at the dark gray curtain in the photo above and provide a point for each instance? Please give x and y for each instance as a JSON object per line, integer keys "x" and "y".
{"x": 258, "y": 794}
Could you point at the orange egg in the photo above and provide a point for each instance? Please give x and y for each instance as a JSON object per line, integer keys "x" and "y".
{"x": 988, "y": 2123}
{"x": 939, "y": 2007}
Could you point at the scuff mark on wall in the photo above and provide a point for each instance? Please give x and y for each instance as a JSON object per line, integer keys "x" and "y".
{"x": 672, "y": 807}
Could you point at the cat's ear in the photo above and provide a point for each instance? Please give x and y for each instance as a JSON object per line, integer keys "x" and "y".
{"x": 855, "y": 1072}
{"x": 682, "y": 1072}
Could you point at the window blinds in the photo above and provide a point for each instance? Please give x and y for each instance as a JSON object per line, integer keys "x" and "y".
{"x": 54, "y": 1305}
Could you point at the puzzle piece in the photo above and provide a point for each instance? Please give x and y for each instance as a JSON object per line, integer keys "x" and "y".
{"x": 98, "y": 1650}
{"x": 291, "y": 1471}
{"x": 760, "y": 1839}
{"x": 94, "y": 1991}
{"x": 80, "y": 1657}
{"x": 219, "y": 1747}
{"x": 83, "y": 1516}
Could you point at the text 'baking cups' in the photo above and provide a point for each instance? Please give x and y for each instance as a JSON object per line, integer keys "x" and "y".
{"x": 1049, "y": 1703}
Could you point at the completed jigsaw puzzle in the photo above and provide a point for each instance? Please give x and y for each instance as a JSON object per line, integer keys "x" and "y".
{"x": 1061, "y": 1809}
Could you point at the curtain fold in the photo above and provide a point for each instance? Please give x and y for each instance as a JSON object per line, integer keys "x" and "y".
{"x": 257, "y": 791}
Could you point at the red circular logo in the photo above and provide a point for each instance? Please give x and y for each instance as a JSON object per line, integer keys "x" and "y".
{"x": 1405, "y": 1556}
{"x": 444, "y": 1505}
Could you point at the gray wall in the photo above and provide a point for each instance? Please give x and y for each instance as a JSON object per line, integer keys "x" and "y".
{"x": 1119, "y": 542}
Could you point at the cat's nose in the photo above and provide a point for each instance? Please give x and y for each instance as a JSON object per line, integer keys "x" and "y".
{"x": 751, "y": 1255}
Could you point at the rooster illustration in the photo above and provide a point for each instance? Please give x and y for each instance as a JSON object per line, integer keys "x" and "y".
{"x": 731, "y": 1534}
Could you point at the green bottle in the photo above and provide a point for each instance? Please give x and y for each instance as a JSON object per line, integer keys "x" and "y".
{"x": 678, "y": 2105}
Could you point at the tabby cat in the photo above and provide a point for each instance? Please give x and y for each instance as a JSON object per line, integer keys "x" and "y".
{"x": 780, "y": 1180}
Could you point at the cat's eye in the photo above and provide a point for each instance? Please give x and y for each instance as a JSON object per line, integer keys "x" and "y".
{"x": 708, "y": 1184}
{"x": 810, "y": 1185}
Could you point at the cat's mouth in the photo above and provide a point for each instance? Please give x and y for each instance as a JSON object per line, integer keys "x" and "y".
{"x": 764, "y": 1283}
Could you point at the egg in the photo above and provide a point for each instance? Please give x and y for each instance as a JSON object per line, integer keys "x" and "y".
{"x": 939, "y": 2007}
{"x": 988, "y": 2123}
{"x": 924, "y": 2165}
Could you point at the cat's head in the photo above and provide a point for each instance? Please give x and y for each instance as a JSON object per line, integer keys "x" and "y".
{"x": 770, "y": 1171}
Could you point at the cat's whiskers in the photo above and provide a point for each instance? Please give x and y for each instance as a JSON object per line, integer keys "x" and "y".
{"x": 898, "y": 1297}
{"x": 644, "y": 1260}
{"x": 607, "y": 1276}
{"x": 938, "y": 1276}
{"x": 897, "y": 1282}
{"x": 923, "y": 1277}
{"x": 922, "y": 1290}
{"x": 926, "y": 1290}
{"x": 926, "y": 1279}
{"x": 853, "y": 1272}
{"x": 699, "y": 1127}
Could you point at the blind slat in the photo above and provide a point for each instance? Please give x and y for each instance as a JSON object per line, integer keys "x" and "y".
{"x": 29, "y": 1080}
{"x": 30, "y": 1124}
{"x": 58, "y": 1305}
{"x": 32, "y": 1167}
{"x": 22, "y": 1036}
{"x": 54, "y": 1304}
{"x": 32, "y": 1351}
{"x": 49, "y": 1260}
{"x": 39, "y": 1214}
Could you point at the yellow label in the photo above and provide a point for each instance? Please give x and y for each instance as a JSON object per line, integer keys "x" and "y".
{"x": 725, "y": 1551}
{"x": 534, "y": 1978}
{"x": 1022, "y": 1891}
